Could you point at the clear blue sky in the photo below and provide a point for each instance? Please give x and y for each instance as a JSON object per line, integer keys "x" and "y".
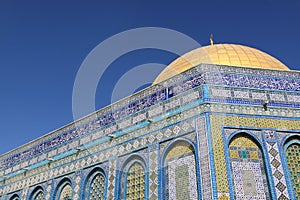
{"x": 43, "y": 43}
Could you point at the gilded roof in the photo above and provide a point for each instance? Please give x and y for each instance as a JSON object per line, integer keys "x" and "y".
{"x": 222, "y": 54}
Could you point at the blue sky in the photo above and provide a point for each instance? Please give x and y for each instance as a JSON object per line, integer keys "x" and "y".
{"x": 43, "y": 43}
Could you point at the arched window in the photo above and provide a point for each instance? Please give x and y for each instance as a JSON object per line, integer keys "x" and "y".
{"x": 248, "y": 168}
{"x": 95, "y": 186}
{"x": 64, "y": 191}
{"x": 134, "y": 179}
{"x": 38, "y": 194}
{"x": 293, "y": 161}
{"x": 135, "y": 182}
{"x": 180, "y": 180}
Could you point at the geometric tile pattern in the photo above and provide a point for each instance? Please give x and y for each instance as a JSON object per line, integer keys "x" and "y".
{"x": 66, "y": 193}
{"x": 230, "y": 121}
{"x": 153, "y": 172}
{"x": 182, "y": 178}
{"x": 111, "y": 179}
{"x": 157, "y": 95}
{"x": 270, "y": 134}
{"x": 216, "y": 92}
{"x": 97, "y": 188}
{"x": 247, "y": 166}
{"x": 217, "y": 122}
{"x": 223, "y": 196}
{"x": 135, "y": 187}
{"x": 281, "y": 136}
{"x": 68, "y": 133}
{"x": 179, "y": 150}
{"x": 248, "y": 182}
{"x": 293, "y": 158}
{"x": 277, "y": 171}
{"x": 48, "y": 190}
{"x": 180, "y": 172}
{"x": 218, "y": 151}
{"x": 205, "y": 174}
{"x": 77, "y": 186}
{"x": 157, "y": 136}
{"x": 104, "y": 117}
{"x": 229, "y": 131}
{"x": 236, "y": 121}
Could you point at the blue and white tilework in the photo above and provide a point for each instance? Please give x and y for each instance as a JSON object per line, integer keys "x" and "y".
{"x": 277, "y": 171}
{"x": 153, "y": 172}
{"x": 178, "y": 188}
{"x": 111, "y": 179}
{"x": 169, "y": 111}
{"x": 205, "y": 170}
{"x": 248, "y": 181}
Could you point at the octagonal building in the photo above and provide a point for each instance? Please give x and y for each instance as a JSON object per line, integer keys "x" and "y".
{"x": 220, "y": 122}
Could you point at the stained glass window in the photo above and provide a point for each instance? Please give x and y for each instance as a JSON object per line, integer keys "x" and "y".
{"x": 293, "y": 158}
{"x": 248, "y": 169}
{"x": 180, "y": 172}
{"x": 97, "y": 187}
{"x": 135, "y": 182}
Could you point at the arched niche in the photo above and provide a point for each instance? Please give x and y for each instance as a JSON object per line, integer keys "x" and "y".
{"x": 248, "y": 168}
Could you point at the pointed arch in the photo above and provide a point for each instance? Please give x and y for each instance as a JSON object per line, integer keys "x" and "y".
{"x": 179, "y": 174}
{"x": 64, "y": 190}
{"x": 37, "y": 194}
{"x": 95, "y": 184}
{"x": 14, "y": 197}
{"x": 248, "y": 167}
{"x": 134, "y": 178}
{"x": 292, "y": 155}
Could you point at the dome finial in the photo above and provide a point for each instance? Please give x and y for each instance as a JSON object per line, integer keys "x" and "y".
{"x": 211, "y": 39}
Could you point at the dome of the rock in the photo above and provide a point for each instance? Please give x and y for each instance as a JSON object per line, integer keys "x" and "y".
{"x": 222, "y": 54}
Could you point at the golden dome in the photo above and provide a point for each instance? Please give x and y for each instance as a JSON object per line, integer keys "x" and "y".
{"x": 221, "y": 54}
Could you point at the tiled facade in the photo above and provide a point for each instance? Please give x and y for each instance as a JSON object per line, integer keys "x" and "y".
{"x": 248, "y": 169}
{"x": 205, "y": 136}
{"x": 179, "y": 170}
{"x": 135, "y": 182}
{"x": 97, "y": 187}
{"x": 292, "y": 154}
